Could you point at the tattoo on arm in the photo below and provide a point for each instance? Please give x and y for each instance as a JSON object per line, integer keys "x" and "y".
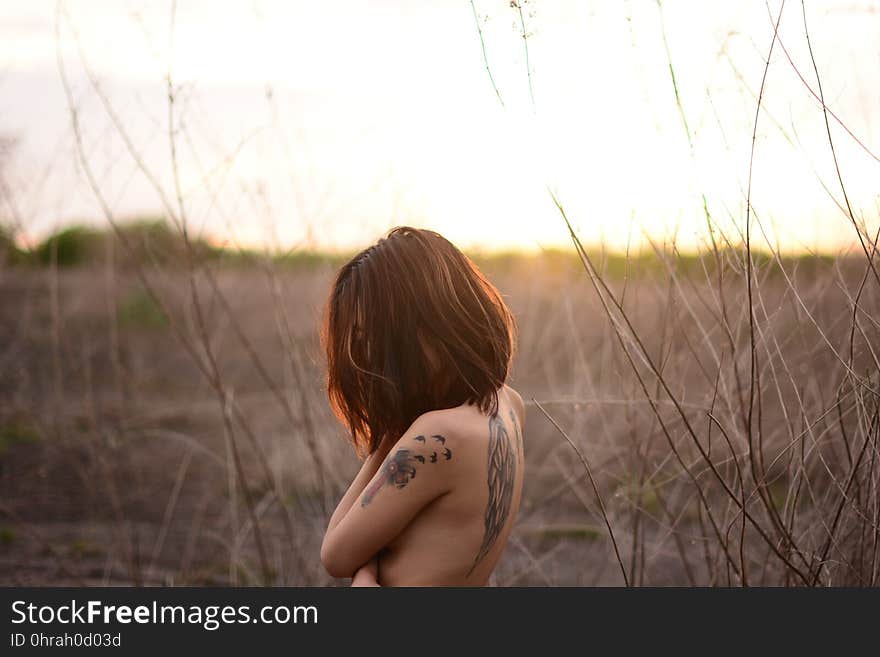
{"x": 400, "y": 468}
{"x": 502, "y": 476}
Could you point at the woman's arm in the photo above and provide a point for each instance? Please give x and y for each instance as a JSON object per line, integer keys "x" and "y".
{"x": 368, "y": 574}
{"x": 367, "y": 471}
{"x": 416, "y": 471}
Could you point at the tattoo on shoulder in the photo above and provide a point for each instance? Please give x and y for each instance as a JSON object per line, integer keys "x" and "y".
{"x": 516, "y": 430}
{"x": 501, "y": 479}
{"x": 400, "y": 468}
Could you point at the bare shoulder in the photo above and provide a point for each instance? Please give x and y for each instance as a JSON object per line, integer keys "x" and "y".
{"x": 435, "y": 435}
{"x": 517, "y": 403}
{"x": 463, "y": 430}
{"x": 465, "y": 422}
{"x": 458, "y": 438}
{"x": 450, "y": 423}
{"x": 443, "y": 422}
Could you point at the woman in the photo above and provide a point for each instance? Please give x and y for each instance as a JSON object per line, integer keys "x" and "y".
{"x": 418, "y": 347}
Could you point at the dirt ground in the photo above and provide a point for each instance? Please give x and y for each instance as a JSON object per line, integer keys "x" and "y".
{"x": 200, "y": 450}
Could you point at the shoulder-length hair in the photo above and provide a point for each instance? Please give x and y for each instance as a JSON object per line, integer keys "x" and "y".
{"x": 411, "y": 326}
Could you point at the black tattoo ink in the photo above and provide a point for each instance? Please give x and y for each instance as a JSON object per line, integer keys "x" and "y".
{"x": 501, "y": 479}
{"x": 519, "y": 439}
{"x": 398, "y": 470}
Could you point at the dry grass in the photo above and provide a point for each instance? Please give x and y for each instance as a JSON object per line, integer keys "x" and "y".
{"x": 124, "y": 461}
{"x": 162, "y": 417}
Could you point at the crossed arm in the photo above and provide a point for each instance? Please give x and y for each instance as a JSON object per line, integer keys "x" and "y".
{"x": 395, "y": 483}
{"x": 367, "y": 575}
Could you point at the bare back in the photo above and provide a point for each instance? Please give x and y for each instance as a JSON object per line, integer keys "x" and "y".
{"x": 458, "y": 538}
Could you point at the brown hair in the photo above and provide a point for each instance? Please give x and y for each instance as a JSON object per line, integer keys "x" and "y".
{"x": 411, "y": 326}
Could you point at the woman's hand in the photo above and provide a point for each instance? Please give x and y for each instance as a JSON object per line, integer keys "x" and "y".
{"x": 368, "y": 574}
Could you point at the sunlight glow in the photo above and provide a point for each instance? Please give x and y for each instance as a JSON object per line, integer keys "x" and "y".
{"x": 323, "y": 124}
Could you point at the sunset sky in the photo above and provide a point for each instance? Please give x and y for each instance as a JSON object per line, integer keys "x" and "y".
{"x": 322, "y": 124}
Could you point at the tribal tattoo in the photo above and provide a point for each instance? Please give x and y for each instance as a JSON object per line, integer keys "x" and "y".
{"x": 398, "y": 470}
{"x": 502, "y": 476}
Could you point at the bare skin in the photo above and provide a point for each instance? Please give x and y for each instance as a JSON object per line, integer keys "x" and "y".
{"x": 435, "y": 508}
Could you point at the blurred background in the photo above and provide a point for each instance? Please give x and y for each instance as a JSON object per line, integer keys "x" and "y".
{"x": 679, "y": 201}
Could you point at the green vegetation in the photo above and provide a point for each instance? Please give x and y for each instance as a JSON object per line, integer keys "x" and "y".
{"x": 139, "y": 310}
{"x": 643, "y": 497}
{"x": 71, "y": 246}
{"x": 153, "y": 240}
{"x": 17, "y": 432}
{"x": 142, "y": 241}
{"x": 249, "y": 574}
{"x": 82, "y": 548}
{"x": 10, "y": 254}
{"x": 7, "y": 535}
{"x": 575, "y": 532}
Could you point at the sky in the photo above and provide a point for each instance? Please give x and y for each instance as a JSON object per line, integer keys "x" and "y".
{"x": 323, "y": 124}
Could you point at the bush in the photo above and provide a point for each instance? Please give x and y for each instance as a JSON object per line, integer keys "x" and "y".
{"x": 10, "y": 254}
{"x": 140, "y": 310}
{"x": 16, "y": 432}
{"x": 71, "y": 246}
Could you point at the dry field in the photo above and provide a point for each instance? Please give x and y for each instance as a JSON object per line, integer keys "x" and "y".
{"x": 168, "y": 424}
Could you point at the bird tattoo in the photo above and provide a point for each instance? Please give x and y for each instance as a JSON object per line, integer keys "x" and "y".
{"x": 398, "y": 470}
